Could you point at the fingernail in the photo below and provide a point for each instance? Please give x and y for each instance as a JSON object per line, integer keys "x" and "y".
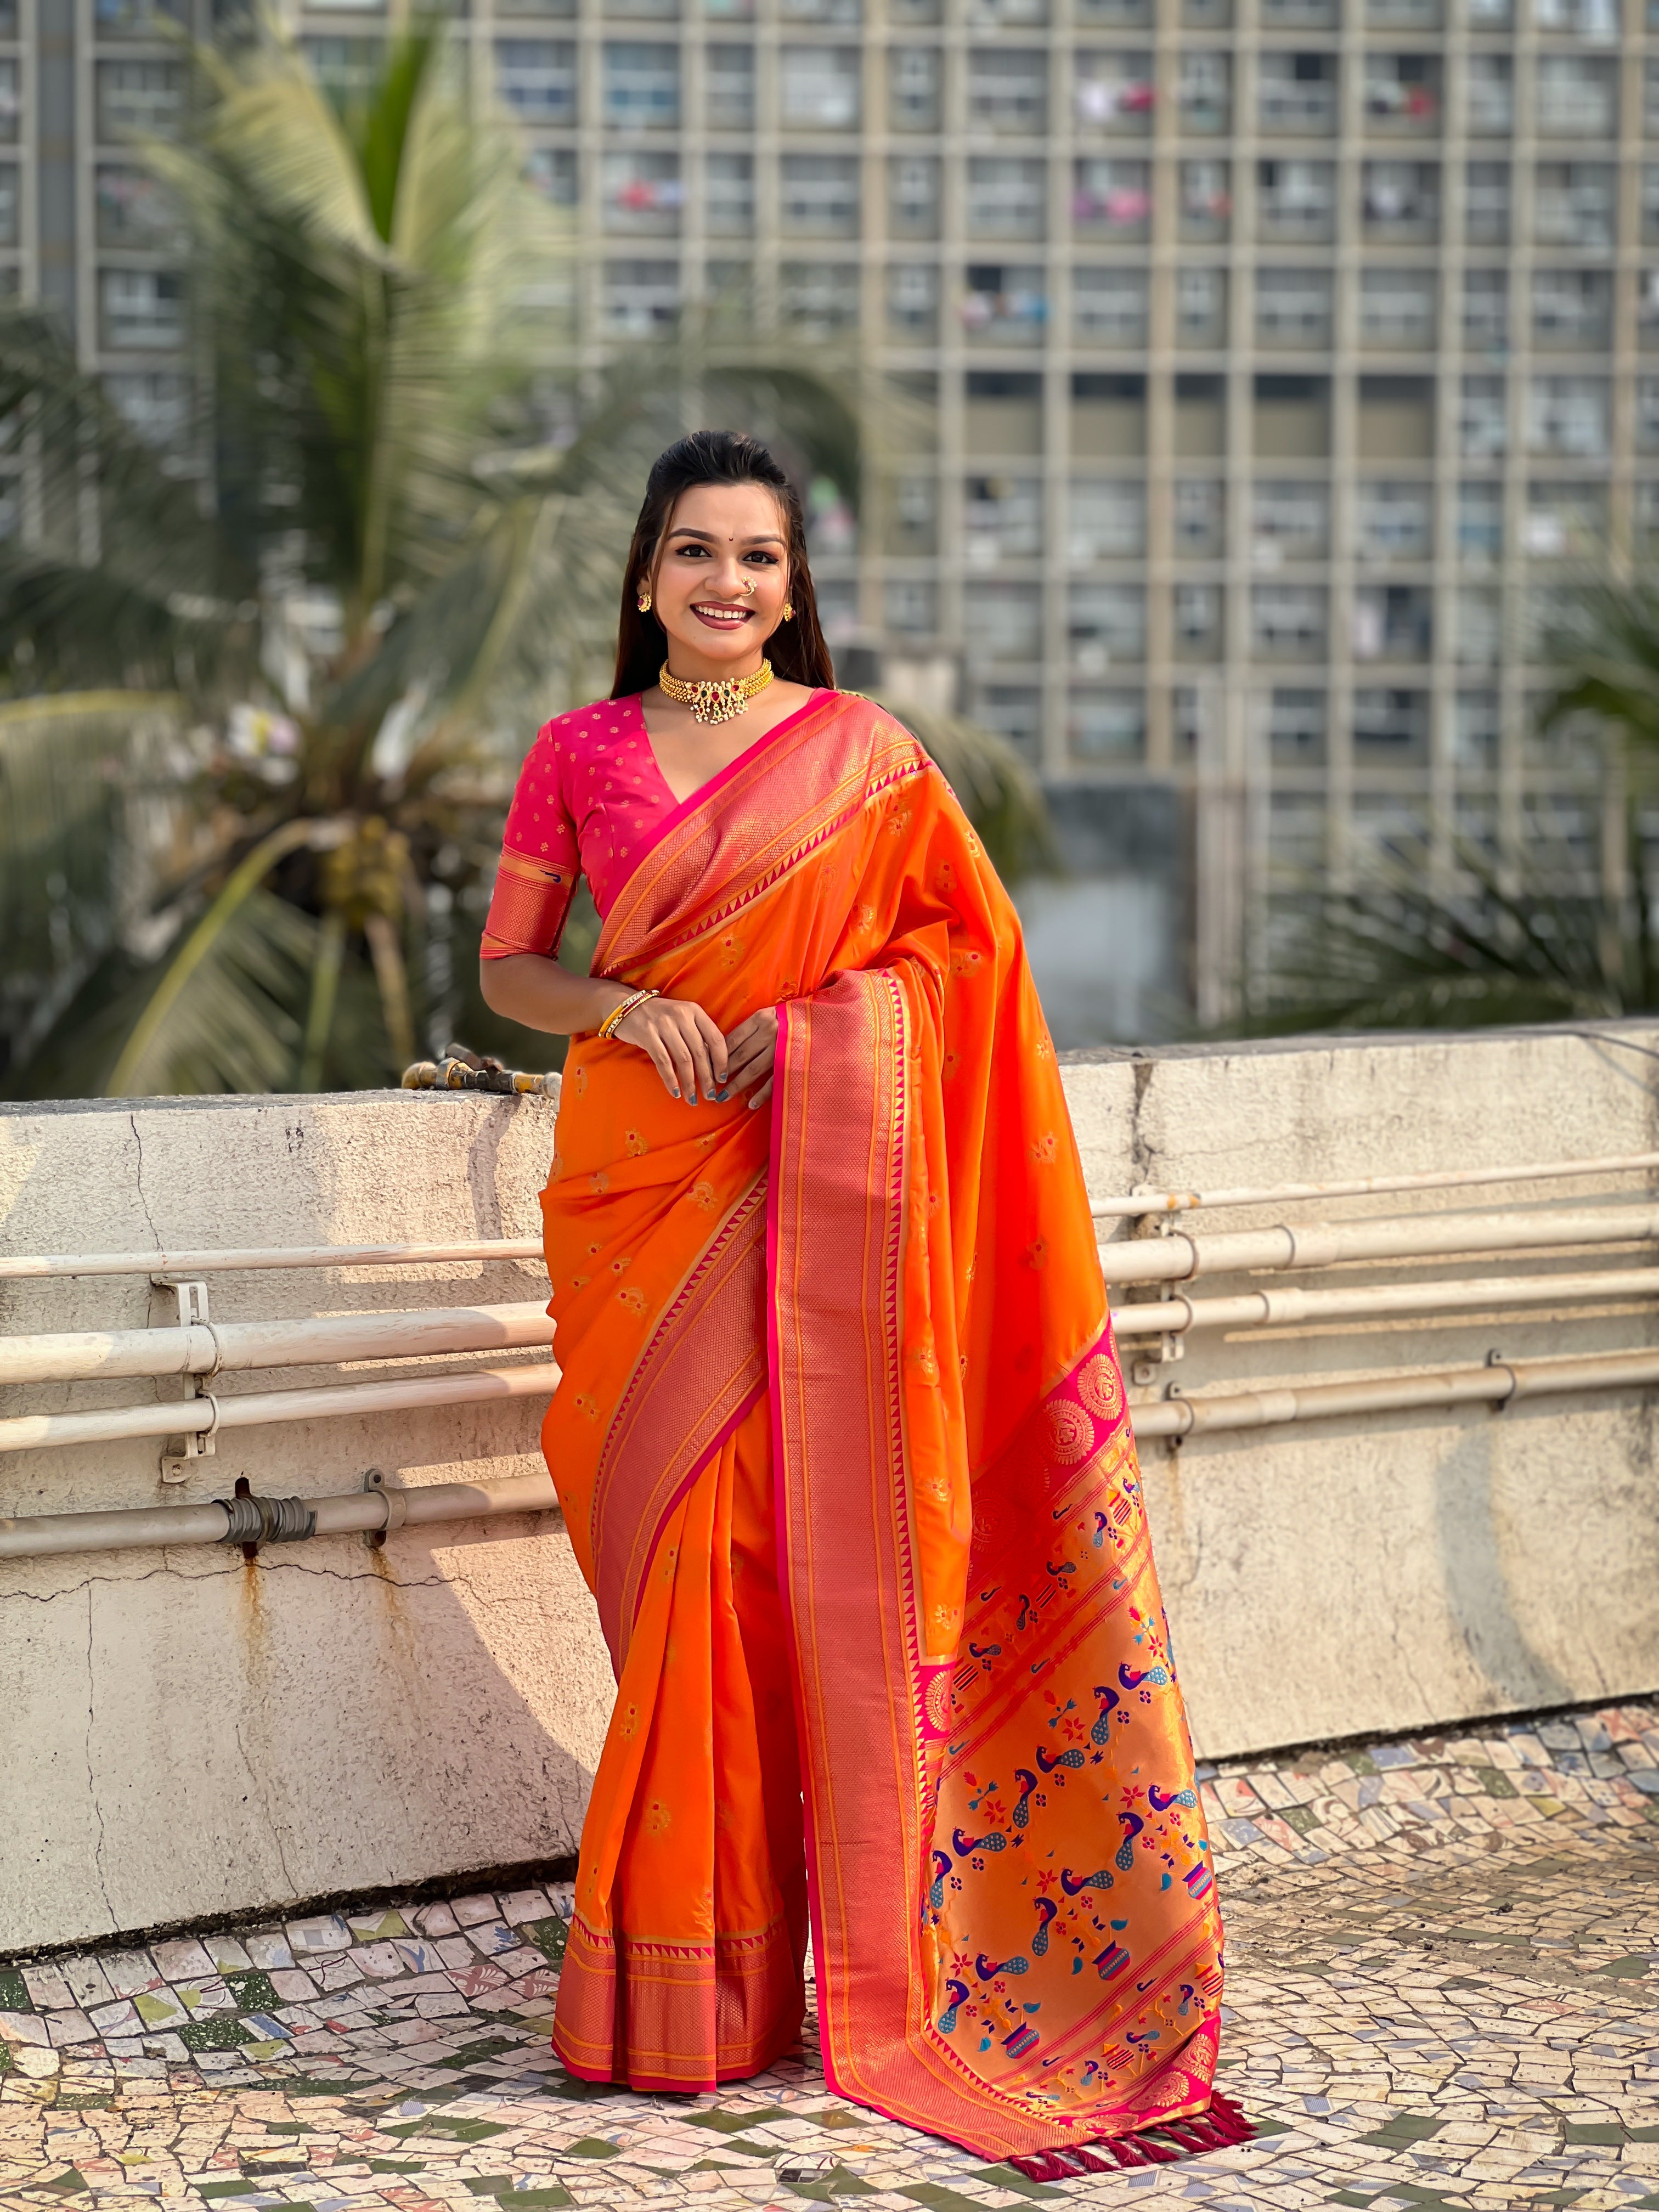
{"x": 720, "y": 1097}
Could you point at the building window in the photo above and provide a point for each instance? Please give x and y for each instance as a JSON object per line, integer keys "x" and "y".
{"x": 1207, "y": 201}
{"x": 552, "y": 171}
{"x": 1296, "y": 726}
{"x": 818, "y": 87}
{"x": 1486, "y": 203}
{"x": 730, "y": 194}
{"x": 1006, "y": 198}
{"x": 140, "y": 310}
{"x": 1107, "y": 725}
{"x": 1565, "y": 520}
{"x": 1577, "y": 98}
{"x": 1575, "y": 203}
{"x": 9, "y": 211}
{"x": 1002, "y": 520}
{"x": 156, "y": 403}
{"x": 537, "y": 78}
{"x": 910, "y": 607}
{"x": 1487, "y": 310}
{"x": 1287, "y": 622}
{"x": 820, "y": 195}
{"x": 1014, "y": 712}
{"x": 729, "y": 88}
{"x": 1483, "y": 418}
{"x": 1196, "y": 609}
{"x": 641, "y": 192}
{"x": 1479, "y": 521}
{"x": 1476, "y": 727}
{"x": 141, "y": 98}
{"x": 1397, "y": 307}
{"x": 1114, "y": 92}
{"x": 1393, "y": 621}
{"x": 1489, "y": 95}
{"x": 1400, "y": 200}
{"x": 1204, "y": 90}
{"x": 1111, "y": 199}
{"x": 914, "y": 80}
{"x": 1297, "y": 200}
{"x": 1003, "y": 305}
{"x": 1200, "y": 306}
{"x": 641, "y": 84}
{"x": 1289, "y": 521}
{"x": 1568, "y": 415}
{"x": 1390, "y": 723}
{"x": 1002, "y": 621}
{"x": 1297, "y": 92}
{"x": 642, "y": 298}
{"x": 1108, "y": 306}
{"x": 1403, "y": 93}
{"x": 133, "y": 209}
{"x": 1293, "y": 307}
{"x": 139, "y": 19}
{"x": 1571, "y": 308}
{"x": 913, "y": 196}
{"x": 912, "y": 302}
{"x": 1008, "y": 90}
{"x": 1200, "y": 509}
{"x": 1396, "y": 520}
{"x": 345, "y": 68}
{"x": 1108, "y": 519}
{"x": 820, "y": 299}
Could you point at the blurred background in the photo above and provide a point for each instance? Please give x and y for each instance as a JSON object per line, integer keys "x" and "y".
{"x": 1229, "y": 430}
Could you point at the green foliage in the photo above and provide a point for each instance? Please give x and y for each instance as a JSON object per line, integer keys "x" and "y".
{"x": 997, "y": 791}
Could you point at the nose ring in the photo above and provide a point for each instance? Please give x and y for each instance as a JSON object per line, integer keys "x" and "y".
{"x": 749, "y": 583}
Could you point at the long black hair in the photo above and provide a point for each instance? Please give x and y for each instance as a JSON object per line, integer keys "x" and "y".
{"x": 796, "y": 648}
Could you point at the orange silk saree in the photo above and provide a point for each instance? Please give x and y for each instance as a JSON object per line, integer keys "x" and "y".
{"x": 841, "y": 1446}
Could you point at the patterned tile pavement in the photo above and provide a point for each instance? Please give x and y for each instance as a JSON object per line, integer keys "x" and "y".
{"x": 1444, "y": 1991}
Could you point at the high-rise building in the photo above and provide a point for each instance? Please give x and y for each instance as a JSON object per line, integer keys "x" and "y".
{"x": 1260, "y": 361}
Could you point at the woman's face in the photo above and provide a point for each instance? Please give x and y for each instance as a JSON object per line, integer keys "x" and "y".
{"x": 722, "y": 578}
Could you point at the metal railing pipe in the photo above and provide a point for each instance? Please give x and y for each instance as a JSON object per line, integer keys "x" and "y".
{"x": 125, "y": 1529}
{"x": 1188, "y": 1202}
{"x": 1500, "y": 1383}
{"x": 205, "y": 1415}
{"x": 28, "y": 1267}
{"x": 1179, "y": 1257}
{"x": 1264, "y": 1309}
{"x": 229, "y": 1347}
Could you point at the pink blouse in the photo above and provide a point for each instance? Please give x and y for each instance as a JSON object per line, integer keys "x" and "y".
{"x": 590, "y": 801}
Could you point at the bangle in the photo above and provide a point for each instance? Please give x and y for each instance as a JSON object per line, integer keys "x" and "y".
{"x": 614, "y": 1020}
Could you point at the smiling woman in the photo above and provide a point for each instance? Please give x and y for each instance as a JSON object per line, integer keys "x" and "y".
{"x": 840, "y": 1438}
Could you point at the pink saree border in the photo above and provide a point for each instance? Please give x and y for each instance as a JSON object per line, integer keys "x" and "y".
{"x": 764, "y": 814}
{"x": 707, "y": 1354}
{"x": 717, "y": 783}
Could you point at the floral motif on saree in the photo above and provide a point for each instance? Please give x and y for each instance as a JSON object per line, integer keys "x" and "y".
{"x": 844, "y": 1450}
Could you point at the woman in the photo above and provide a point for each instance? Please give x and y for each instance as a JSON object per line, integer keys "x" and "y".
{"x": 841, "y": 1440}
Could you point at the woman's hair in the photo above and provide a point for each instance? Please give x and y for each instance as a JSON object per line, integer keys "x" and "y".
{"x": 796, "y": 648}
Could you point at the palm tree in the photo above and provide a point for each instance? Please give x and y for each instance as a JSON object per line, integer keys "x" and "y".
{"x": 395, "y": 563}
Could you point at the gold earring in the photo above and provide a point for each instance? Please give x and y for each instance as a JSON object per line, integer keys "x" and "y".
{"x": 788, "y": 611}
{"x": 644, "y": 602}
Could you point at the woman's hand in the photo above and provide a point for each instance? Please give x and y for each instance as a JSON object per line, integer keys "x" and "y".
{"x": 684, "y": 1045}
{"x": 750, "y": 1051}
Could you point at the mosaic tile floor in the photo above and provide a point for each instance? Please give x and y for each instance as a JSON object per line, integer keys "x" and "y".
{"x": 1444, "y": 1991}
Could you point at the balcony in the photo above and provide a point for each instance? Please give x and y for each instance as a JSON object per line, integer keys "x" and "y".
{"x": 1290, "y": 520}
{"x": 913, "y": 291}
{"x": 1106, "y": 626}
{"x": 1106, "y": 520}
{"x": 1296, "y": 94}
{"x": 819, "y": 299}
{"x": 1293, "y": 308}
{"x": 1400, "y": 202}
{"x": 819, "y": 196}
{"x": 1007, "y": 197}
{"x": 1008, "y": 91}
{"x": 641, "y": 299}
{"x": 1003, "y": 305}
{"x": 914, "y": 87}
{"x": 1568, "y": 416}
{"x": 1002, "y": 520}
{"x": 1206, "y": 203}
{"x": 1399, "y": 309}
{"x": 133, "y": 99}
{"x": 642, "y": 194}
{"x": 1393, "y": 621}
{"x": 1571, "y": 310}
{"x": 1402, "y": 96}
{"x": 729, "y": 88}
{"x": 1296, "y": 202}
{"x": 1577, "y": 98}
{"x": 141, "y": 311}
{"x": 1004, "y": 621}
{"x": 1111, "y": 199}
{"x": 1489, "y": 96}
{"x": 1114, "y": 94}
{"x": 818, "y": 87}
{"x": 1394, "y": 520}
{"x": 1575, "y": 203}
{"x": 1204, "y": 92}
{"x": 1288, "y": 622}
{"x": 1108, "y": 308}
{"x": 1486, "y": 204}
{"x": 1201, "y": 308}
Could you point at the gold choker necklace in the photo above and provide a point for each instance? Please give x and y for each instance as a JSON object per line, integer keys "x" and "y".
{"x": 715, "y": 698}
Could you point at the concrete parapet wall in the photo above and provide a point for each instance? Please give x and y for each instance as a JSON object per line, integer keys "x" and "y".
{"x": 184, "y": 1735}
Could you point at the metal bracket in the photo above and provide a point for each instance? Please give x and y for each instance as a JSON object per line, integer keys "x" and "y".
{"x": 1171, "y": 1344}
{"x": 397, "y": 1508}
{"x": 191, "y": 1293}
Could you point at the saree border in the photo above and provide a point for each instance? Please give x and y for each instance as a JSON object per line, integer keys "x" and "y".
{"x": 870, "y": 1757}
{"x": 742, "y": 829}
{"x": 706, "y": 1352}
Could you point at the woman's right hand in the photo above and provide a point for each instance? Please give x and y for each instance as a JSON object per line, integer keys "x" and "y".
{"x": 684, "y": 1045}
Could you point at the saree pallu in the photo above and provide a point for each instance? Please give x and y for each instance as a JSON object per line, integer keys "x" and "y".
{"x": 842, "y": 1449}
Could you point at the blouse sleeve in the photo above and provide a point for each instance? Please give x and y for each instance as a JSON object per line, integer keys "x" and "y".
{"x": 539, "y": 861}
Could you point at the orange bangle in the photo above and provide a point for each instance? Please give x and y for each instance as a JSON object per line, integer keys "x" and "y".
{"x": 614, "y": 1020}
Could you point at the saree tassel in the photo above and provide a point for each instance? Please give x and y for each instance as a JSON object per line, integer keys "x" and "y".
{"x": 1043, "y": 2166}
{"x": 1228, "y": 2120}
